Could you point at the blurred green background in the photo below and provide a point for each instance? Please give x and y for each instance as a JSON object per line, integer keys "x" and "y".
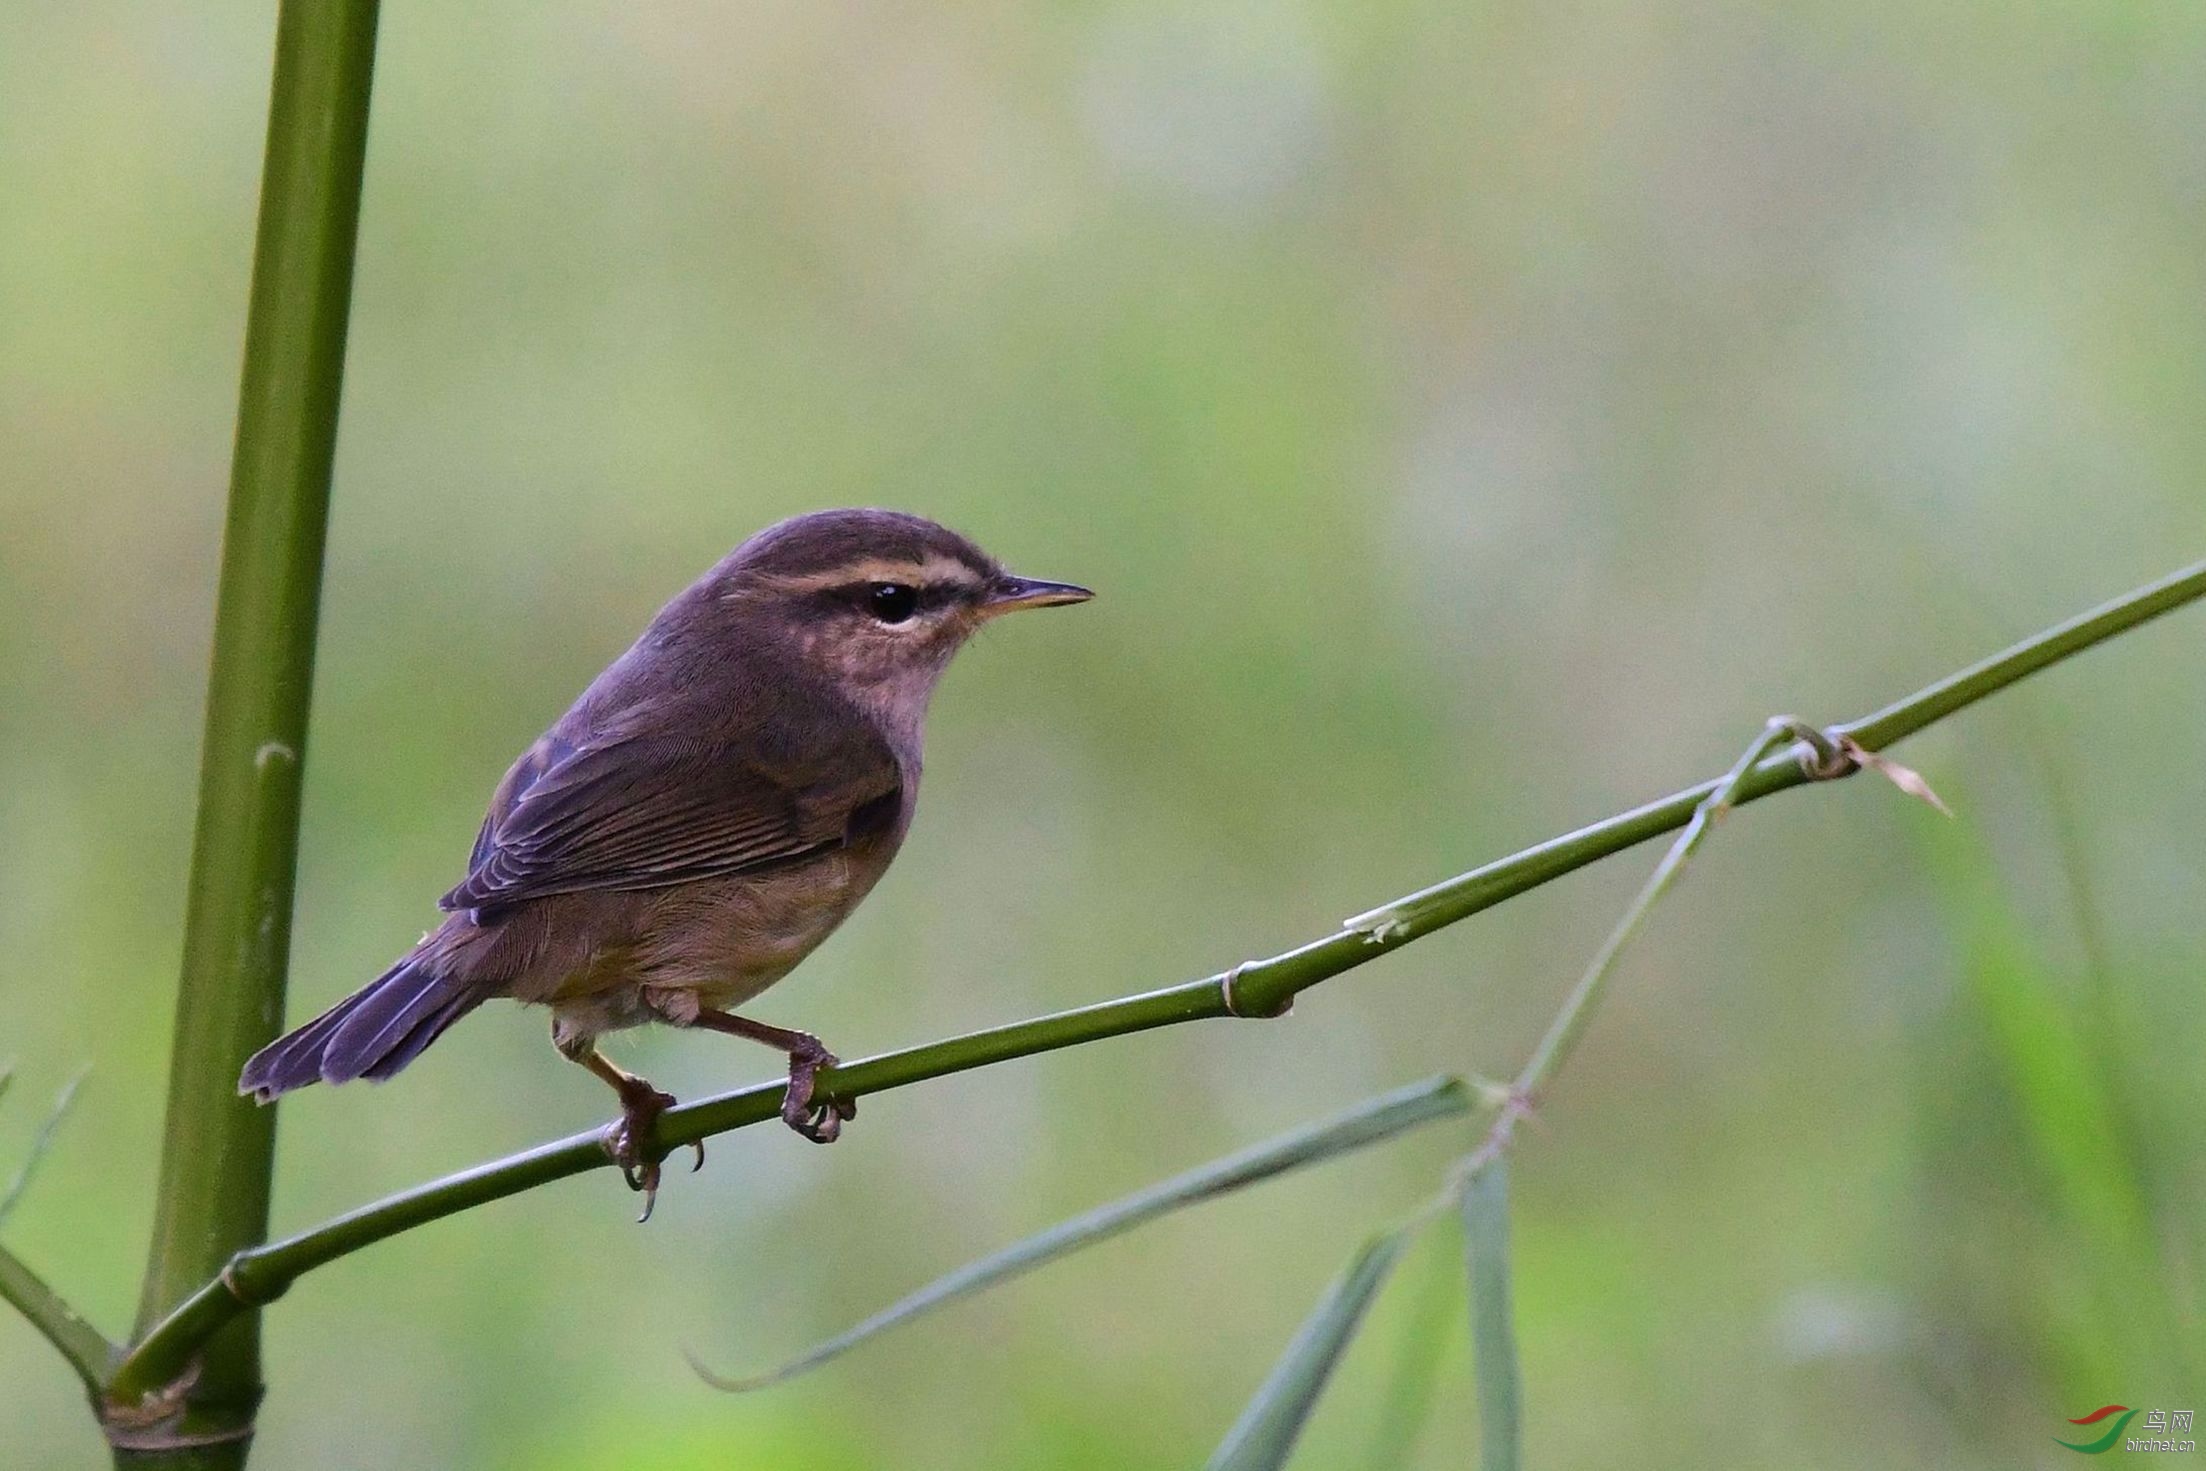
{"x": 1475, "y": 419}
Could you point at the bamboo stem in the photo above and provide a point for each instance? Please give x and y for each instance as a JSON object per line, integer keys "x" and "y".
{"x": 218, "y": 1151}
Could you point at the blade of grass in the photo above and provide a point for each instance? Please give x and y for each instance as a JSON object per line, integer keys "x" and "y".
{"x": 2063, "y": 1093}
{"x": 2045, "y": 1048}
{"x": 2065, "y": 1108}
{"x": 1485, "y": 1206}
{"x": 1367, "y": 1123}
{"x": 1265, "y": 1435}
{"x": 2100, "y": 1008}
{"x": 1427, "y": 1345}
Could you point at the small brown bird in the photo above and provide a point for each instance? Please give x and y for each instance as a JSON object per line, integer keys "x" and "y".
{"x": 718, "y": 800}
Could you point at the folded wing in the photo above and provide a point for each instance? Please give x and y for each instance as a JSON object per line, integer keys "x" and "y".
{"x": 648, "y": 813}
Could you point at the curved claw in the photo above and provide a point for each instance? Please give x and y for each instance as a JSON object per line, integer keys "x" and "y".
{"x": 650, "y": 1189}
{"x": 819, "y": 1120}
{"x": 626, "y": 1142}
{"x": 823, "y": 1125}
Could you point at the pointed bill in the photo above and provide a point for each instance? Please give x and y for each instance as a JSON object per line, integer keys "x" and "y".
{"x": 1013, "y": 593}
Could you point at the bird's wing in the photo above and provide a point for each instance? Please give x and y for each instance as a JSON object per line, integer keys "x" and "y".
{"x": 650, "y": 813}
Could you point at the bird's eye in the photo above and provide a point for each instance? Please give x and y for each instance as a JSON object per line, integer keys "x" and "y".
{"x": 892, "y": 602}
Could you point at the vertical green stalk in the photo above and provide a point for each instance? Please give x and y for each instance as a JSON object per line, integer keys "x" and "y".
{"x": 219, "y": 1150}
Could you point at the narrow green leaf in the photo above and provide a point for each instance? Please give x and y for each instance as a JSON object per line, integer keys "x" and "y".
{"x": 1265, "y": 1435}
{"x": 1367, "y": 1123}
{"x": 2067, "y": 1109}
{"x": 1493, "y": 1319}
{"x": 40, "y": 1142}
{"x": 2058, "y": 1080}
{"x": 1428, "y": 1338}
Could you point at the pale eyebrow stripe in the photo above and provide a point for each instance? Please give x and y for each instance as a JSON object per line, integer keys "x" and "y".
{"x": 932, "y": 572}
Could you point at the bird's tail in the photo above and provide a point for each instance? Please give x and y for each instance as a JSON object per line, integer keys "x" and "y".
{"x": 370, "y": 1034}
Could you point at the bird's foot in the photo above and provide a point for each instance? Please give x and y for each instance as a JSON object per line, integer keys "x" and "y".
{"x": 632, "y": 1141}
{"x": 817, "y": 1119}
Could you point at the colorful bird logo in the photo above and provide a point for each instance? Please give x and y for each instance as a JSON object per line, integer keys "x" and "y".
{"x": 2105, "y": 1442}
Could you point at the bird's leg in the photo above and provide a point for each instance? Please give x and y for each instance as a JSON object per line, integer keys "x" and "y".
{"x": 629, "y": 1141}
{"x": 821, "y": 1121}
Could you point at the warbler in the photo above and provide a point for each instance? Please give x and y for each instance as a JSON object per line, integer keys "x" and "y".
{"x": 717, "y": 801}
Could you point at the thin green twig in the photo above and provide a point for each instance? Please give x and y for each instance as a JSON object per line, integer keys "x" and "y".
{"x": 1818, "y": 756}
{"x": 1478, "y": 1186}
{"x": 1570, "y": 1022}
{"x": 1256, "y": 988}
{"x": 41, "y": 1143}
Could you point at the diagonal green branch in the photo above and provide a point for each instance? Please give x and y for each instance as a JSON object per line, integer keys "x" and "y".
{"x": 1482, "y": 888}
{"x": 1577, "y": 1010}
{"x": 1256, "y": 988}
{"x": 88, "y": 1352}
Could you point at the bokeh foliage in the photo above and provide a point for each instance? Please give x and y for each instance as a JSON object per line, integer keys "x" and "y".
{"x": 1475, "y": 420}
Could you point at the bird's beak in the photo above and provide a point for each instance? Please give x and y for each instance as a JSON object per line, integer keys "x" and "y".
{"x": 1012, "y": 593}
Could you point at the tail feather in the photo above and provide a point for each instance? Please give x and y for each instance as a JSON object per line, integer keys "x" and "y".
{"x": 295, "y": 1059}
{"x": 370, "y": 1034}
{"x": 408, "y": 995}
{"x": 420, "y": 1035}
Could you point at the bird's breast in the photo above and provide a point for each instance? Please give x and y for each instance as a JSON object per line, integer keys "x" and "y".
{"x": 729, "y": 939}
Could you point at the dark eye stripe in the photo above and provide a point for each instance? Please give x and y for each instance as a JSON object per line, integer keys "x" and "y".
{"x": 924, "y": 599}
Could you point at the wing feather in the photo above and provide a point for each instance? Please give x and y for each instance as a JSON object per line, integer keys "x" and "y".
{"x": 645, "y": 813}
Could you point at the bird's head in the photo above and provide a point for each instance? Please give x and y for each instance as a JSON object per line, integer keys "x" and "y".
{"x": 878, "y": 600}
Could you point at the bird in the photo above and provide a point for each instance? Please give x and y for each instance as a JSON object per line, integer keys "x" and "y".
{"x": 712, "y": 807}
